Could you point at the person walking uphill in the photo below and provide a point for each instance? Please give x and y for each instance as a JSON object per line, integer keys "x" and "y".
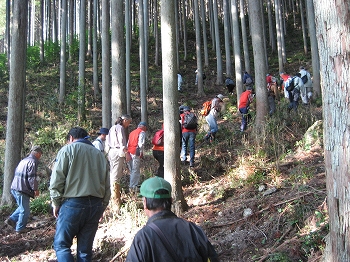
{"x": 135, "y": 148}
{"x": 24, "y": 186}
{"x": 99, "y": 142}
{"x": 167, "y": 237}
{"x": 116, "y": 141}
{"x": 244, "y": 101}
{"x": 216, "y": 105}
{"x": 189, "y": 131}
{"x": 80, "y": 192}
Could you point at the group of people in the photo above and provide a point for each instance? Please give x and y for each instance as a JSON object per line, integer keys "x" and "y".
{"x": 80, "y": 191}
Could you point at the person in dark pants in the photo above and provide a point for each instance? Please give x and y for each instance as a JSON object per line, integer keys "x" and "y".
{"x": 23, "y": 187}
{"x": 244, "y": 102}
{"x": 152, "y": 242}
{"x": 80, "y": 192}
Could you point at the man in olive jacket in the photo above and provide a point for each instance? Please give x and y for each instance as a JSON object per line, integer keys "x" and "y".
{"x": 80, "y": 192}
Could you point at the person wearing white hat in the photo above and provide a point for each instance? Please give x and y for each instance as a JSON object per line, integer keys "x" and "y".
{"x": 216, "y": 105}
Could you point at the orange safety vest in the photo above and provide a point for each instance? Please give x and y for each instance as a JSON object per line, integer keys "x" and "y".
{"x": 134, "y": 140}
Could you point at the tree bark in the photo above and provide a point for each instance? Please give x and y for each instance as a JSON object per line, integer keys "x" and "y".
{"x": 16, "y": 98}
{"x": 170, "y": 106}
{"x": 332, "y": 30}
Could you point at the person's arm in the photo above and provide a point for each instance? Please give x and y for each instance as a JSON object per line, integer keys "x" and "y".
{"x": 57, "y": 181}
{"x": 141, "y": 142}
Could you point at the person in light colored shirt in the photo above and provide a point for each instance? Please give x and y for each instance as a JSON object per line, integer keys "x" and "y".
{"x": 99, "y": 142}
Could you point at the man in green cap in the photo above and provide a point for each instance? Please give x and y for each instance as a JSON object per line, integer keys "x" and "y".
{"x": 167, "y": 237}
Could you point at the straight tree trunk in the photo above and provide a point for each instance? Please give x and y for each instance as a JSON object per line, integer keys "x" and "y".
{"x": 81, "y": 82}
{"x": 170, "y": 106}
{"x": 244, "y": 37}
{"x": 143, "y": 63}
{"x": 219, "y": 72}
{"x": 118, "y": 59}
{"x": 303, "y": 29}
{"x": 237, "y": 49}
{"x": 204, "y": 31}
{"x": 16, "y": 97}
{"x": 332, "y": 30}
{"x": 63, "y": 52}
{"x": 255, "y": 14}
{"x": 107, "y": 120}
{"x": 227, "y": 39}
{"x": 200, "y": 90}
{"x": 94, "y": 48}
{"x": 127, "y": 55}
{"x": 314, "y": 49}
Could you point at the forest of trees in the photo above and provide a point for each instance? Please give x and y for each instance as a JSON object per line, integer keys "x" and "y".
{"x": 105, "y": 30}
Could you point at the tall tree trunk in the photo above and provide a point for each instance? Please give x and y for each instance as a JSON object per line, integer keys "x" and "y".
{"x": 237, "y": 49}
{"x": 314, "y": 49}
{"x": 184, "y": 21}
{"x": 199, "y": 76}
{"x": 94, "y": 47}
{"x": 303, "y": 29}
{"x": 127, "y": 55}
{"x": 62, "y": 92}
{"x": 42, "y": 21}
{"x": 143, "y": 63}
{"x": 107, "y": 119}
{"x": 81, "y": 80}
{"x": 255, "y": 14}
{"x": 219, "y": 73}
{"x": 279, "y": 33}
{"x": 170, "y": 106}
{"x": 118, "y": 59}
{"x": 205, "y": 38}
{"x": 244, "y": 37}
{"x": 227, "y": 39}
{"x": 16, "y": 97}
{"x": 332, "y": 30}
{"x": 272, "y": 39}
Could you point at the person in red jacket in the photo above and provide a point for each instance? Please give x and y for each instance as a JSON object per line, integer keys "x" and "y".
{"x": 244, "y": 101}
{"x": 135, "y": 148}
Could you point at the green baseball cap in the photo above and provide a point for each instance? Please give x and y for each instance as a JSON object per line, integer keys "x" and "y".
{"x": 150, "y": 186}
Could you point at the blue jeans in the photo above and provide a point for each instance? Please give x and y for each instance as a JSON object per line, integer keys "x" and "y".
{"x": 134, "y": 167}
{"x": 188, "y": 138}
{"x": 244, "y": 112}
{"x": 77, "y": 217}
{"x": 213, "y": 125}
{"x": 22, "y": 212}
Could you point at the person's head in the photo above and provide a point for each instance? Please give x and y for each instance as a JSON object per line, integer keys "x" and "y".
{"x": 301, "y": 68}
{"x": 124, "y": 120}
{"x": 156, "y": 193}
{"x": 36, "y": 151}
{"x": 77, "y": 133}
{"x": 220, "y": 96}
{"x": 103, "y": 133}
{"x": 143, "y": 126}
{"x": 250, "y": 88}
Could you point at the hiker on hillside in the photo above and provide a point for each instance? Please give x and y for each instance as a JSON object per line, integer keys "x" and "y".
{"x": 244, "y": 102}
{"x": 167, "y": 237}
{"x": 294, "y": 86}
{"x": 135, "y": 148}
{"x": 99, "y": 142}
{"x": 216, "y": 106}
{"x": 116, "y": 141}
{"x": 158, "y": 150}
{"x": 203, "y": 76}
{"x": 247, "y": 80}
{"x": 24, "y": 186}
{"x": 272, "y": 92}
{"x": 230, "y": 85}
{"x": 189, "y": 131}
{"x": 80, "y": 192}
{"x": 306, "y": 78}
{"x": 284, "y": 77}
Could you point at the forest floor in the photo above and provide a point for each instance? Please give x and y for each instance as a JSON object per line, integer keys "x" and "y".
{"x": 251, "y": 211}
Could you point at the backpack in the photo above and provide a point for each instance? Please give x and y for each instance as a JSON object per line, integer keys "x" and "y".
{"x": 291, "y": 85}
{"x": 249, "y": 81}
{"x": 206, "y": 108}
{"x": 158, "y": 138}
{"x": 190, "y": 121}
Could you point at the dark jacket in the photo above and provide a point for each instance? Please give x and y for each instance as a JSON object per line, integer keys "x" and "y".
{"x": 187, "y": 239}
{"x": 25, "y": 176}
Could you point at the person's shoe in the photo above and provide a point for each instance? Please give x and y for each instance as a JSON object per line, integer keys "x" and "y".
{"x": 191, "y": 164}
{"x": 10, "y": 222}
{"x": 24, "y": 230}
